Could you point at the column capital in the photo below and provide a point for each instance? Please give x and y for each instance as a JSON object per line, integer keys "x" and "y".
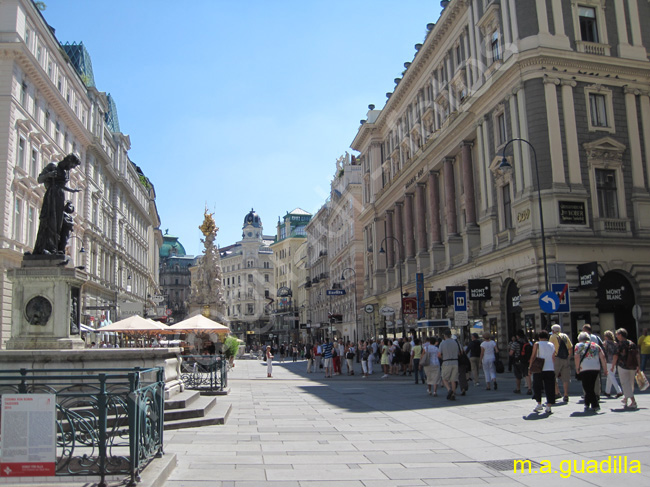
{"x": 628, "y": 90}
{"x": 517, "y": 88}
{"x": 434, "y": 172}
{"x": 421, "y": 185}
{"x": 548, "y": 80}
{"x": 568, "y": 82}
{"x": 388, "y": 212}
{"x": 466, "y": 143}
{"x": 398, "y": 203}
{"x": 449, "y": 159}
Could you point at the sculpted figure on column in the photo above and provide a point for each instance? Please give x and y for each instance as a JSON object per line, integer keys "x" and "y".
{"x": 53, "y": 228}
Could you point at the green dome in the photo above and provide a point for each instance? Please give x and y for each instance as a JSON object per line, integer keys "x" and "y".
{"x": 171, "y": 247}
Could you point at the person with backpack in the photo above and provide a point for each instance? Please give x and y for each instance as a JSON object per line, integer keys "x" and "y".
{"x": 563, "y": 353}
{"x": 521, "y": 353}
{"x": 626, "y": 360}
{"x": 586, "y": 328}
{"x": 475, "y": 356}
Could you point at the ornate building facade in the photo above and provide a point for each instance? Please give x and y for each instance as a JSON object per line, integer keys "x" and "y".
{"x": 49, "y": 107}
{"x": 175, "y": 279}
{"x": 317, "y": 311}
{"x": 249, "y": 281}
{"x": 572, "y": 80}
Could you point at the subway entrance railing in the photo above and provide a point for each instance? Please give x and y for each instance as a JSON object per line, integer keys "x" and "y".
{"x": 109, "y": 421}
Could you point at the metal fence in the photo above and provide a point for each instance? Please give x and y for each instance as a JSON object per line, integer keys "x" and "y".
{"x": 208, "y": 373}
{"x": 109, "y": 421}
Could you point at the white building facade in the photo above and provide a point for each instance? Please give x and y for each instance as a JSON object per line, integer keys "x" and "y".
{"x": 49, "y": 107}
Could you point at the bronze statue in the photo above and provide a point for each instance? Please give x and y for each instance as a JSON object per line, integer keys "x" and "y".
{"x": 54, "y": 227}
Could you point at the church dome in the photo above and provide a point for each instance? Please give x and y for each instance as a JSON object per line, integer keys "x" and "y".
{"x": 252, "y": 219}
{"x": 171, "y": 247}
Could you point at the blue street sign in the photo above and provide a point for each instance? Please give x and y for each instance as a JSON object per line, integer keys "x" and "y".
{"x": 549, "y": 302}
{"x": 562, "y": 291}
{"x": 460, "y": 301}
{"x": 335, "y": 292}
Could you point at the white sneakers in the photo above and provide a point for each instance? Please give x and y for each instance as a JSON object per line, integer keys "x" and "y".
{"x": 539, "y": 408}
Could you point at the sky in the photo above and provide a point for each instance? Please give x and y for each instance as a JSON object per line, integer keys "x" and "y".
{"x": 241, "y": 104}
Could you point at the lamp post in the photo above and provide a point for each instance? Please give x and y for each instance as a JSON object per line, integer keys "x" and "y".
{"x": 356, "y": 315}
{"x": 399, "y": 268}
{"x": 505, "y": 165}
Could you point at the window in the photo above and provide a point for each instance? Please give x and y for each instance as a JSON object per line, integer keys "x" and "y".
{"x": 266, "y": 278}
{"x": 47, "y": 122}
{"x": 598, "y": 110}
{"x": 34, "y": 165}
{"x": 250, "y": 309}
{"x": 250, "y": 293}
{"x": 49, "y": 69}
{"x": 18, "y": 220}
{"x": 507, "y": 207}
{"x": 20, "y": 159}
{"x": 501, "y": 128}
{"x": 250, "y": 277}
{"x": 31, "y": 223}
{"x": 588, "y": 24}
{"x": 23, "y": 94}
{"x": 606, "y": 192}
{"x": 494, "y": 44}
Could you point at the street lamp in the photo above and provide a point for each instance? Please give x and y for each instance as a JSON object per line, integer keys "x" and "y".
{"x": 399, "y": 268}
{"x": 356, "y": 317}
{"x": 505, "y": 165}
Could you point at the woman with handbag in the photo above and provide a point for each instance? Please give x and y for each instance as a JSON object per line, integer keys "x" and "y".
{"x": 543, "y": 372}
{"x": 588, "y": 358}
{"x": 609, "y": 348}
{"x": 626, "y": 359}
{"x": 489, "y": 350}
{"x": 431, "y": 365}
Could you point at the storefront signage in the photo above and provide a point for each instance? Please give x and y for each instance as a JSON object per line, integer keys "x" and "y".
{"x": 437, "y": 299}
{"x": 479, "y": 289}
{"x": 28, "y": 435}
{"x": 588, "y": 275}
{"x": 386, "y": 311}
{"x": 516, "y": 301}
{"x": 410, "y": 306}
{"x": 572, "y": 213}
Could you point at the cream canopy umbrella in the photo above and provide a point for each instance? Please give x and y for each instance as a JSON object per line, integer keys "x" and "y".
{"x": 198, "y": 324}
{"x": 135, "y": 324}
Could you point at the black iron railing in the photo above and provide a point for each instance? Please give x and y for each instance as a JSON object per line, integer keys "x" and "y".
{"x": 207, "y": 373}
{"x": 109, "y": 421}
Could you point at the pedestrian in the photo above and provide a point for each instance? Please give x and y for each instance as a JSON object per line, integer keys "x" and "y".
{"x": 588, "y": 357}
{"x": 644, "y": 345}
{"x": 475, "y": 356}
{"x": 432, "y": 367}
{"x": 349, "y": 357}
{"x": 283, "y": 352}
{"x": 448, "y": 355}
{"x": 405, "y": 356}
{"x": 626, "y": 360}
{"x": 308, "y": 356}
{"x": 328, "y": 367}
{"x": 336, "y": 358}
{"x": 294, "y": 353}
{"x": 597, "y": 340}
{"x": 511, "y": 358}
{"x": 521, "y": 353}
{"x": 546, "y": 378}
{"x": 563, "y": 353}
{"x": 365, "y": 357}
{"x": 416, "y": 354}
{"x": 610, "y": 347}
{"x": 372, "y": 355}
{"x": 318, "y": 356}
{"x": 489, "y": 350}
{"x": 269, "y": 361}
{"x": 385, "y": 357}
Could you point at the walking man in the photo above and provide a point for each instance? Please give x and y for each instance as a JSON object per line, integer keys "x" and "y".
{"x": 448, "y": 355}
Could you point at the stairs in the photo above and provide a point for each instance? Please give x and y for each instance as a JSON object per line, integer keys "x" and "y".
{"x": 189, "y": 409}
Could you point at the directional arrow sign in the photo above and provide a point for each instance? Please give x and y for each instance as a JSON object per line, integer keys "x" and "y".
{"x": 549, "y": 302}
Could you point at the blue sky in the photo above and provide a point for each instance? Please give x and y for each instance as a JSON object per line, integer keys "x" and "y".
{"x": 242, "y": 104}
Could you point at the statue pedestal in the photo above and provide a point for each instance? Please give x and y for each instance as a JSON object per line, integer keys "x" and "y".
{"x": 46, "y": 304}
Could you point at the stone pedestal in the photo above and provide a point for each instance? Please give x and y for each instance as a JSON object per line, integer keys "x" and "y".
{"x": 46, "y": 304}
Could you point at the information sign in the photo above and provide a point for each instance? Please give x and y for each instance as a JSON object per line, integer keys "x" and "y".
{"x": 460, "y": 301}
{"x": 28, "y": 428}
{"x": 562, "y": 291}
{"x": 335, "y": 292}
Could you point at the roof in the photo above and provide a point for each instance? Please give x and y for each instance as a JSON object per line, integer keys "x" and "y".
{"x": 299, "y": 211}
{"x": 80, "y": 59}
{"x": 111, "y": 115}
{"x": 171, "y": 247}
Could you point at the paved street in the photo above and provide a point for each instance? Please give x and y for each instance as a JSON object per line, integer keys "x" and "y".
{"x": 301, "y": 430}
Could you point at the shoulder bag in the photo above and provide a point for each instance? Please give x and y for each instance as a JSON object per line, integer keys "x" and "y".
{"x": 463, "y": 359}
{"x": 582, "y": 357}
{"x": 537, "y": 364}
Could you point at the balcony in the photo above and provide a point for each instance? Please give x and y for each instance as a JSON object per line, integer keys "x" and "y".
{"x": 612, "y": 225}
{"x": 593, "y": 48}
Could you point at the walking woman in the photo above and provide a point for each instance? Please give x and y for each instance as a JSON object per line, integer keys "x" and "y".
{"x": 269, "y": 361}
{"x": 546, "y": 378}
{"x": 610, "y": 347}
{"x": 588, "y": 358}
{"x": 432, "y": 367}
{"x": 489, "y": 350}
{"x": 626, "y": 360}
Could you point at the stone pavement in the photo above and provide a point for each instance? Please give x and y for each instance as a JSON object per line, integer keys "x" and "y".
{"x": 302, "y": 430}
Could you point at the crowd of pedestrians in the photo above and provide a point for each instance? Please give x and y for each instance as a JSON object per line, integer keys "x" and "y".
{"x": 541, "y": 365}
